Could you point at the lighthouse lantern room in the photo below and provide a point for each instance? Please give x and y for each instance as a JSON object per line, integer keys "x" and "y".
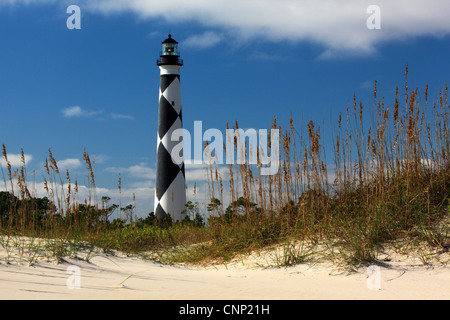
{"x": 169, "y": 54}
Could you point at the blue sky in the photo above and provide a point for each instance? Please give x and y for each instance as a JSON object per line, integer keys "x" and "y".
{"x": 97, "y": 87}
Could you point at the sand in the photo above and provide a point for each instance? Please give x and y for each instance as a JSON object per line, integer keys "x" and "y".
{"x": 115, "y": 276}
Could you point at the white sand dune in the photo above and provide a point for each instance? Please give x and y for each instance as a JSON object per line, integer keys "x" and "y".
{"x": 121, "y": 277}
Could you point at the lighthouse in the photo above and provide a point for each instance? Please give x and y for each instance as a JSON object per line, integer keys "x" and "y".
{"x": 170, "y": 192}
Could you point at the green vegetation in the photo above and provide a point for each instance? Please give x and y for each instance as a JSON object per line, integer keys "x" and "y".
{"x": 388, "y": 183}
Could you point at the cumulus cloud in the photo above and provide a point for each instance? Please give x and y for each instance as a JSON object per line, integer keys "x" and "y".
{"x": 70, "y": 164}
{"x": 74, "y": 111}
{"x": 338, "y": 26}
{"x": 202, "y": 41}
{"x": 141, "y": 170}
{"x": 16, "y": 160}
{"x": 78, "y": 112}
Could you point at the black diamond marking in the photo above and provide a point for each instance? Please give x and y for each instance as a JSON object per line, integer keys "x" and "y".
{"x": 166, "y": 81}
{"x": 166, "y": 172}
{"x": 159, "y": 212}
{"x": 167, "y": 117}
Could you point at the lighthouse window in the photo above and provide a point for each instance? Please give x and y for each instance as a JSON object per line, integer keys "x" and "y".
{"x": 170, "y": 49}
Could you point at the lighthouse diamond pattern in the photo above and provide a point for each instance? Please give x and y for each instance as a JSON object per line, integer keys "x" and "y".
{"x": 170, "y": 192}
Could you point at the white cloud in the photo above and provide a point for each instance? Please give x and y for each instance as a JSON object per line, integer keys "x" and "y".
{"x": 74, "y": 111}
{"x": 16, "y": 160}
{"x": 203, "y": 41}
{"x": 142, "y": 171}
{"x": 155, "y": 34}
{"x": 117, "y": 116}
{"x": 99, "y": 158}
{"x": 70, "y": 164}
{"x": 340, "y": 27}
{"x": 77, "y": 111}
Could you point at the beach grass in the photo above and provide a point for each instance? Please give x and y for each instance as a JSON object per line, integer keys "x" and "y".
{"x": 380, "y": 176}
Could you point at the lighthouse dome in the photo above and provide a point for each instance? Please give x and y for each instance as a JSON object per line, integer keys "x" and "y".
{"x": 169, "y": 40}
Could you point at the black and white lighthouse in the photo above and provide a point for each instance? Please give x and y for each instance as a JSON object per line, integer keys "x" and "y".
{"x": 170, "y": 193}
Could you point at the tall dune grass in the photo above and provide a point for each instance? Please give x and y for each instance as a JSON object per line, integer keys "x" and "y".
{"x": 64, "y": 220}
{"x": 386, "y": 176}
